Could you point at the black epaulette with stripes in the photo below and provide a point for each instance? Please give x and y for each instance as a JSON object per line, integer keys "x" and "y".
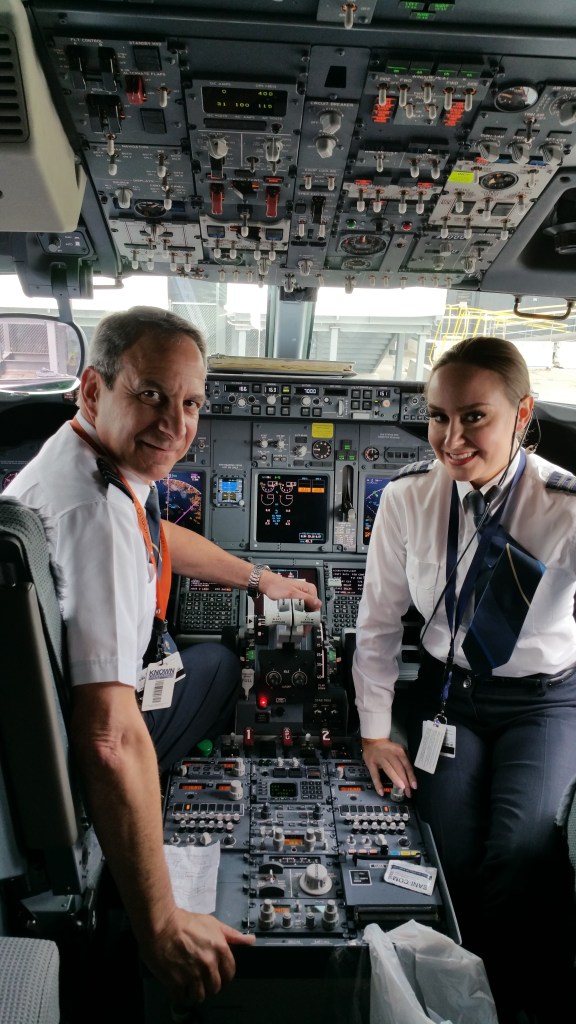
{"x": 412, "y": 470}
{"x": 109, "y": 474}
{"x": 561, "y": 482}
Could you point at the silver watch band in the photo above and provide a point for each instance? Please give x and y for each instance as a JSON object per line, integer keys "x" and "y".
{"x": 253, "y": 585}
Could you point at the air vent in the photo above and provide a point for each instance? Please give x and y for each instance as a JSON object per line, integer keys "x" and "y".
{"x": 13, "y": 117}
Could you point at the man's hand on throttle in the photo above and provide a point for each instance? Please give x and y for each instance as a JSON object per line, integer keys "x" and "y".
{"x": 393, "y": 760}
{"x": 277, "y": 587}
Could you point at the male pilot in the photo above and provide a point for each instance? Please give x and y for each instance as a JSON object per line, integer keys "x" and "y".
{"x": 140, "y": 398}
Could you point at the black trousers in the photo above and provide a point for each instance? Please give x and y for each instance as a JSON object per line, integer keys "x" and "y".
{"x": 202, "y": 704}
{"x": 492, "y": 811}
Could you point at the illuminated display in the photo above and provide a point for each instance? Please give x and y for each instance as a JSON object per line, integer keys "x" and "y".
{"x": 191, "y": 787}
{"x": 181, "y": 496}
{"x": 373, "y": 487}
{"x": 224, "y": 100}
{"x": 201, "y": 587}
{"x": 347, "y": 580}
{"x": 308, "y": 573}
{"x": 283, "y": 790}
{"x": 351, "y": 789}
{"x": 301, "y": 572}
{"x": 7, "y": 479}
{"x": 229, "y": 490}
{"x": 292, "y": 509}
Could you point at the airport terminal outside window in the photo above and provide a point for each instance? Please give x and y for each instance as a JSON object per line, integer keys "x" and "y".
{"x": 386, "y": 334}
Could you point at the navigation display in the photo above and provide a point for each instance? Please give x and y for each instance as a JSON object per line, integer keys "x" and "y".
{"x": 373, "y": 487}
{"x": 181, "y": 496}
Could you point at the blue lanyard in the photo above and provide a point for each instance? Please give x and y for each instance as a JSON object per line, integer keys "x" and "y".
{"x": 455, "y": 608}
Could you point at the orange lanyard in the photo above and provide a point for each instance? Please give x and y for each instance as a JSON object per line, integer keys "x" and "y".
{"x": 162, "y": 582}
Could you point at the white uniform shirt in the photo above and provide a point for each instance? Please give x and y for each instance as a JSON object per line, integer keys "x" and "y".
{"x": 407, "y": 564}
{"x": 108, "y": 584}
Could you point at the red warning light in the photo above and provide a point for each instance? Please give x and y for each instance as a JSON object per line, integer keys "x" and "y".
{"x": 262, "y": 701}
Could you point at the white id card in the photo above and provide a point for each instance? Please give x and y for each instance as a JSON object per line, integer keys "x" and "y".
{"x": 430, "y": 746}
{"x": 159, "y": 683}
{"x": 176, "y": 660}
{"x": 449, "y": 743}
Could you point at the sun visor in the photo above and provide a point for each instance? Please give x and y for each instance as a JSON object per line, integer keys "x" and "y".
{"x": 41, "y": 185}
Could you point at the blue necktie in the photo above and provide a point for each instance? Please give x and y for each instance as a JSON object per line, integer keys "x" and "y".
{"x": 161, "y": 643}
{"x": 476, "y": 503}
{"x": 152, "y": 509}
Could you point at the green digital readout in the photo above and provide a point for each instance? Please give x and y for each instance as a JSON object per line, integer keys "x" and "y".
{"x": 264, "y": 102}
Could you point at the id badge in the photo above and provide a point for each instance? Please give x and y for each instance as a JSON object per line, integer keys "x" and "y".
{"x": 449, "y": 742}
{"x": 433, "y": 734}
{"x": 162, "y": 649}
{"x": 159, "y": 683}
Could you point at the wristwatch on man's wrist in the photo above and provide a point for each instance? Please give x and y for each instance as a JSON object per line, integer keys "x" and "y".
{"x": 253, "y": 585}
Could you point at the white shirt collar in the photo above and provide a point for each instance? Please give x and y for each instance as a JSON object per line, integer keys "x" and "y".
{"x": 464, "y": 485}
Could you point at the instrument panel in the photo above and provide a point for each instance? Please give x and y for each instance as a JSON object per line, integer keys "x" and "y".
{"x": 289, "y": 473}
{"x": 305, "y": 843}
{"x": 388, "y": 145}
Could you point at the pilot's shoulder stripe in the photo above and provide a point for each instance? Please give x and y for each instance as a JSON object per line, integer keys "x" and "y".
{"x": 110, "y": 476}
{"x": 412, "y": 470}
{"x": 561, "y": 482}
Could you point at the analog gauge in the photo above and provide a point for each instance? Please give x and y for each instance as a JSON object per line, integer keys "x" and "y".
{"x": 356, "y": 263}
{"x": 497, "y": 181}
{"x": 516, "y": 97}
{"x": 321, "y": 449}
{"x": 151, "y": 209}
{"x": 363, "y": 245}
{"x": 371, "y": 454}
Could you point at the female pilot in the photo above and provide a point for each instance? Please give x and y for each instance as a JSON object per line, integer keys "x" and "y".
{"x": 483, "y": 542}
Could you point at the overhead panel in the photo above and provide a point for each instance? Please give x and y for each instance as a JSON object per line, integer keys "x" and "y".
{"x": 311, "y": 151}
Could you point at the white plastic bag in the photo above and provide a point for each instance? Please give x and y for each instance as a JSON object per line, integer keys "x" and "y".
{"x": 420, "y": 976}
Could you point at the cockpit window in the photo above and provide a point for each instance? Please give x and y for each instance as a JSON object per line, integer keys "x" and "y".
{"x": 387, "y": 334}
